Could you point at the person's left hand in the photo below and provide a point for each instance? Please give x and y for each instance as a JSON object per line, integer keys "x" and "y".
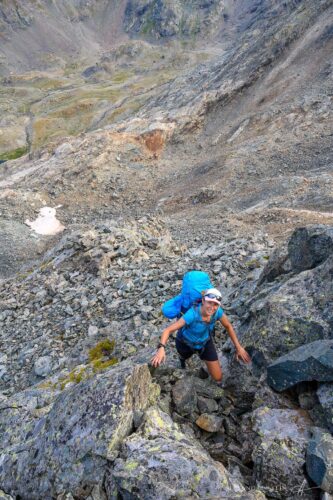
{"x": 159, "y": 357}
{"x": 242, "y": 355}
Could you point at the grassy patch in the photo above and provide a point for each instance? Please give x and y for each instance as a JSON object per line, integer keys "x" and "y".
{"x": 98, "y": 354}
{"x": 47, "y": 84}
{"x": 99, "y": 365}
{"x": 13, "y": 155}
{"x": 132, "y": 107}
{"x": 121, "y": 76}
{"x": 69, "y": 120}
{"x": 46, "y": 129}
{"x": 103, "y": 348}
{"x": 143, "y": 84}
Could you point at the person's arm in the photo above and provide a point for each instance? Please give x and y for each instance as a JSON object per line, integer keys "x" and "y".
{"x": 240, "y": 351}
{"x": 160, "y": 355}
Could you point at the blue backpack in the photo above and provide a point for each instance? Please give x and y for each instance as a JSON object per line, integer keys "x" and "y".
{"x": 194, "y": 282}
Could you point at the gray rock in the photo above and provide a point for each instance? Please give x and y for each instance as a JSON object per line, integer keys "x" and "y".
{"x": 4, "y": 496}
{"x": 279, "y": 451}
{"x": 307, "y": 248}
{"x": 92, "y": 331}
{"x": 63, "y": 150}
{"x": 292, "y": 310}
{"x": 161, "y": 462}
{"x": 3, "y": 371}
{"x": 319, "y": 459}
{"x": 43, "y": 366}
{"x": 207, "y": 405}
{"x": 322, "y": 413}
{"x": 67, "y": 447}
{"x": 310, "y": 362}
{"x": 265, "y": 396}
{"x": 326, "y": 496}
{"x": 184, "y": 396}
{"x": 167, "y": 19}
{"x": 18, "y": 247}
{"x": 98, "y": 493}
{"x": 207, "y": 388}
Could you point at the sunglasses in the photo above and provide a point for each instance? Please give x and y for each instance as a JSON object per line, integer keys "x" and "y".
{"x": 213, "y": 296}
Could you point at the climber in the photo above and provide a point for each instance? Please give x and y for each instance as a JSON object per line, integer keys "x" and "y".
{"x": 194, "y": 335}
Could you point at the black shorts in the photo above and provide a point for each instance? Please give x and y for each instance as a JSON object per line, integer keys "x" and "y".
{"x": 208, "y": 353}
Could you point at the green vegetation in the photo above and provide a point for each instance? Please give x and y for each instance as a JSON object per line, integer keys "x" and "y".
{"x": 13, "y": 155}
{"x": 103, "y": 348}
{"x": 99, "y": 364}
{"x": 132, "y": 107}
{"x": 122, "y": 76}
{"x": 99, "y": 357}
{"x": 74, "y": 377}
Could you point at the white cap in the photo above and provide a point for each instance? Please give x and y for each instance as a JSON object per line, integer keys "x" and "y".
{"x": 213, "y": 295}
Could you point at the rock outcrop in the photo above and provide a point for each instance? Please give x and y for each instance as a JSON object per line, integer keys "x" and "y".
{"x": 306, "y": 249}
{"x": 279, "y": 443}
{"x": 165, "y": 19}
{"x": 294, "y": 308}
{"x": 319, "y": 458}
{"x": 160, "y": 461}
{"x": 62, "y": 442}
{"x": 312, "y": 361}
{"x": 322, "y": 412}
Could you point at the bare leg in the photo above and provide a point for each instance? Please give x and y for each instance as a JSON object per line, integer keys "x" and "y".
{"x": 215, "y": 370}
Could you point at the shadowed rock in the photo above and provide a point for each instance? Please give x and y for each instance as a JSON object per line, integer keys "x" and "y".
{"x": 323, "y": 412}
{"x": 184, "y": 396}
{"x": 310, "y": 362}
{"x": 319, "y": 457}
{"x": 307, "y": 248}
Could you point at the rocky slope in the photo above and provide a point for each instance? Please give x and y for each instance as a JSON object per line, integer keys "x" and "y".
{"x": 164, "y": 152}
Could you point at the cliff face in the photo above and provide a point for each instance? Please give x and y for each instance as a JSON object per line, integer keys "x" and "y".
{"x": 39, "y": 34}
{"x": 35, "y": 34}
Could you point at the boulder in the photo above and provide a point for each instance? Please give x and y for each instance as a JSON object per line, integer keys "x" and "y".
{"x": 307, "y": 248}
{"x": 206, "y": 405}
{"x": 319, "y": 459}
{"x": 279, "y": 443}
{"x": 207, "y": 388}
{"x": 184, "y": 396}
{"x": 65, "y": 446}
{"x": 43, "y": 366}
{"x": 292, "y": 308}
{"x": 265, "y": 396}
{"x": 309, "y": 362}
{"x": 161, "y": 462}
{"x": 209, "y": 423}
{"x": 322, "y": 413}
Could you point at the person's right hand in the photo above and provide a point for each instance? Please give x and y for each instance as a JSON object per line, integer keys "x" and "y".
{"x": 159, "y": 357}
